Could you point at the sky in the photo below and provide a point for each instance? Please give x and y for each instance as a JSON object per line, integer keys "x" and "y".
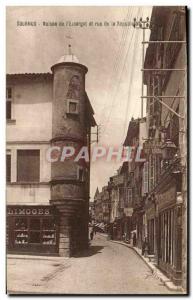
{"x": 111, "y": 53}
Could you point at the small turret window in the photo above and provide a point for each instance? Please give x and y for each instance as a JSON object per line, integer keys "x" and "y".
{"x": 72, "y": 106}
{"x": 74, "y": 88}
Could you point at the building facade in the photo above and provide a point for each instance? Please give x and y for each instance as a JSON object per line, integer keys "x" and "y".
{"x": 135, "y": 138}
{"x": 47, "y": 197}
{"x": 166, "y": 148}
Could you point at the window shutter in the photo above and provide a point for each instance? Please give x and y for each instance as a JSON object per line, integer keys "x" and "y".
{"x": 8, "y": 167}
{"x": 129, "y": 195}
{"x": 28, "y": 165}
{"x": 145, "y": 178}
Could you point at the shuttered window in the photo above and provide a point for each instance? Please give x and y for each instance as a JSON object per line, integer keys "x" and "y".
{"x": 129, "y": 191}
{"x": 28, "y": 165}
{"x": 151, "y": 172}
{"x": 8, "y": 167}
{"x": 145, "y": 178}
{"x": 8, "y": 103}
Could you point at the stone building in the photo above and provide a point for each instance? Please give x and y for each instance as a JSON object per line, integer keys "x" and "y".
{"x": 135, "y": 138}
{"x": 105, "y": 205}
{"x": 98, "y": 210}
{"x": 125, "y": 188}
{"x": 166, "y": 147}
{"x": 117, "y": 190}
{"x": 48, "y": 200}
{"x": 102, "y": 206}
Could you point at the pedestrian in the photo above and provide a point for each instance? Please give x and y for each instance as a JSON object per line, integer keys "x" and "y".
{"x": 91, "y": 234}
{"x": 134, "y": 239}
{"x": 94, "y": 230}
{"x": 145, "y": 247}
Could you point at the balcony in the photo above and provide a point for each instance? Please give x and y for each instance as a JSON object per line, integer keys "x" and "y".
{"x": 118, "y": 180}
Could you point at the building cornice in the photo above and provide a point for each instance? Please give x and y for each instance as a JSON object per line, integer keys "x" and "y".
{"x": 27, "y": 142}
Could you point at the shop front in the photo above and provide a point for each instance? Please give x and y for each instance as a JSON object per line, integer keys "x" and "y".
{"x": 170, "y": 232}
{"x": 32, "y": 230}
{"x": 151, "y": 233}
{"x": 128, "y": 211}
{"x": 117, "y": 229}
{"x": 140, "y": 235}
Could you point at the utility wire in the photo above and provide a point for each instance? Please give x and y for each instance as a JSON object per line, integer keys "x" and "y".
{"x": 117, "y": 86}
{"x": 116, "y": 63}
{"x": 119, "y": 82}
{"x": 130, "y": 83}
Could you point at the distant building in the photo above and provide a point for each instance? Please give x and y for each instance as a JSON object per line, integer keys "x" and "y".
{"x": 102, "y": 206}
{"x": 98, "y": 211}
{"x": 135, "y": 138}
{"x": 105, "y": 205}
{"x": 91, "y": 211}
{"x": 47, "y": 202}
{"x": 119, "y": 205}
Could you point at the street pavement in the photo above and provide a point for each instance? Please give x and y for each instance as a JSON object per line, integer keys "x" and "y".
{"x": 106, "y": 268}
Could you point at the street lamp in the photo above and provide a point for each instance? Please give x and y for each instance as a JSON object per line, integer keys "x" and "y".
{"x": 143, "y": 24}
{"x": 168, "y": 150}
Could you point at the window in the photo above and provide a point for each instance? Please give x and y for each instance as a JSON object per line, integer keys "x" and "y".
{"x": 21, "y": 231}
{"x": 157, "y": 162}
{"x": 129, "y": 196}
{"x": 8, "y": 167}
{"x": 8, "y": 103}
{"x": 151, "y": 172}
{"x": 145, "y": 178}
{"x": 28, "y": 165}
{"x": 154, "y": 105}
{"x": 167, "y": 230}
{"x": 121, "y": 192}
{"x": 72, "y": 106}
{"x": 33, "y": 230}
{"x": 80, "y": 173}
{"x": 175, "y": 128}
{"x": 177, "y": 33}
{"x": 9, "y": 93}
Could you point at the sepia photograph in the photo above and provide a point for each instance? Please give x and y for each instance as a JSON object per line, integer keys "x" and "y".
{"x": 96, "y": 150}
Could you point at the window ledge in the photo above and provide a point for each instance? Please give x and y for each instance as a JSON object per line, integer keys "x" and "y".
{"x": 27, "y": 183}
{"x": 11, "y": 121}
{"x": 72, "y": 114}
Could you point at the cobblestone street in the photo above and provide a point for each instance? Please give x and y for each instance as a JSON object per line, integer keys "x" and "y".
{"x": 105, "y": 268}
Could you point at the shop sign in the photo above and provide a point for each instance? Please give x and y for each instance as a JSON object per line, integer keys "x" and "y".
{"x": 153, "y": 147}
{"x": 31, "y": 211}
{"x": 128, "y": 211}
{"x": 167, "y": 197}
{"x": 150, "y": 212}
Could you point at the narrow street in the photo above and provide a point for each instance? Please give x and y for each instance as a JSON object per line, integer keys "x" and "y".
{"x": 105, "y": 268}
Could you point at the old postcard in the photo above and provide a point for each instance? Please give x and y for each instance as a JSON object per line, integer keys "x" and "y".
{"x": 96, "y": 157}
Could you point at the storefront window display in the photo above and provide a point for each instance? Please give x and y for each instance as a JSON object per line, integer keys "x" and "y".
{"x": 32, "y": 232}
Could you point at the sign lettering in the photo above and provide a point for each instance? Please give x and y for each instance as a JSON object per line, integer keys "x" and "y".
{"x": 28, "y": 211}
